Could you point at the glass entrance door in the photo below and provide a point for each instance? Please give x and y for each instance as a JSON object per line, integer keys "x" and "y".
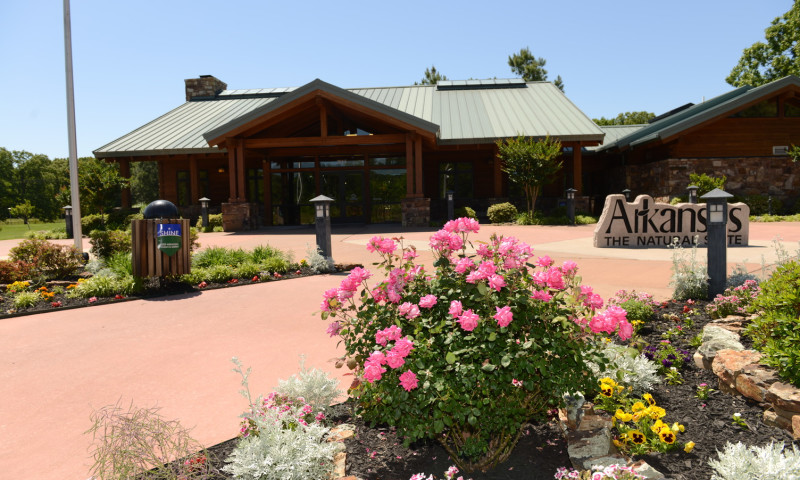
{"x": 346, "y": 188}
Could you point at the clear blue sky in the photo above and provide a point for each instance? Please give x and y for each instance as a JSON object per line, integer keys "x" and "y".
{"x": 130, "y": 58}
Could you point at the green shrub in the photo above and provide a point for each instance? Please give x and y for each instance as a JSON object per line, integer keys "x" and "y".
{"x": 502, "y": 213}
{"x": 706, "y": 183}
{"x": 776, "y": 332}
{"x": 48, "y": 259}
{"x": 759, "y": 204}
{"x": 14, "y": 270}
{"x": 56, "y": 233}
{"x": 640, "y": 306}
{"x": 105, "y": 286}
{"x": 275, "y": 265}
{"x": 89, "y": 223}
{"x": 106, "y": 243}
{"x": 121, "y": 264}
{"x": 219, "y": 256}
{"x": 247, "y": 269}
{"x": 585, "y": 220}
{"x": 264, "y": 252}
{"x": 214, "y": 223}
{"x": 26, "y": 299}
{"x": 465, "y": 212}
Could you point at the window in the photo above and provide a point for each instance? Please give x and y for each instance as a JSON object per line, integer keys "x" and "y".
{"x": 767, "y": 108}
{"x": 183, "y": 188}
{"x": 255, "y": 185}
{"x": 387, "y": 188}
{"x": 791, "y": 108}
{"x": 456, "y": 177}
{"x": 202, "y": 180}
{"x": 387, "y": 161}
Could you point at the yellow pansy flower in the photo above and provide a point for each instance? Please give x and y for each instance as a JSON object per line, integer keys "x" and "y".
{"x": 688, "y": 447}
{"x": 637, "y": 406}
{"x": 637, "y": 437}
{"x": 656, "y": 412}
{"x": 677, "y": 427}
{"x": 621, "y": 415}
{"x": 667, "y": 436}
{"x": 649, "y": 398}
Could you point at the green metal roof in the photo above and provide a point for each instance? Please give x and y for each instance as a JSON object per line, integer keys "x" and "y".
{"x": 698, "y": 114}
{"x": 461, "y": 112}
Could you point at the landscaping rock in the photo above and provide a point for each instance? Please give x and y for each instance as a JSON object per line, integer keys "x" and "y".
{"x": 715, "y": 339}
{"x": 728, "y": 364}
{"x": 784, "y": 396}
{"x": 754, "y": 381}
{"x": 796, "y": 427}
{"x": 774, "y": 420}
{"x": 586, "y": 446}
{"x": 644, "y": 469}
{"x": 731, "y": 323}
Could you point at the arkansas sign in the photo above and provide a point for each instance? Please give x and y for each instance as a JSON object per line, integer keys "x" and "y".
{"x": 645, "y": 223}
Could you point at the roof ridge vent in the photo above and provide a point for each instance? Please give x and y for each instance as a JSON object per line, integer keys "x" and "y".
{"x": 486, "y": 84}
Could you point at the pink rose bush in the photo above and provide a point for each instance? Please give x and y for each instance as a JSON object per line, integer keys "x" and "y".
{"x": 470, "y": 352}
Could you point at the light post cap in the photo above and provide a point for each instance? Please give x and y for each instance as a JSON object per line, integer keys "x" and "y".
{"x": 205, "y": 199}
{"x": 321, "y": 198}
{"x": 67, "y": 207}
{"x": 717, "y": 194}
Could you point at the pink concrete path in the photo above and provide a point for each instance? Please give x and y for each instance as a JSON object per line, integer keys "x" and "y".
{"x": 175, "y": 352}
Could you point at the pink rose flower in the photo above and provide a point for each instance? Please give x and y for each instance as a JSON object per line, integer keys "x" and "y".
{"x": 455, "y": 309}
{"x": 373, "y": 372}
{"x": 468, "y": 320}
{"x": 542, "y": 295}
{"x": 394, "y": 360}
{"x": 497, "y": 282}
{"x": 504, "y": 316}
{"x": 403, "y": 347}
{"x": 408, "y": 380}
{"x": 428, "y": 301}
{"x": 544, "y": 261}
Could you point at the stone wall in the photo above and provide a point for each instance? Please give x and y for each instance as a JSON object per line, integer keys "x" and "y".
{"x": 416, "y": 212}
{"x": 777, "y": 176}
{"x": 237, "y": 217}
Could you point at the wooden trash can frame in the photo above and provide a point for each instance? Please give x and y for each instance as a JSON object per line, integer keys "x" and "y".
{"x": 148, "y": 260}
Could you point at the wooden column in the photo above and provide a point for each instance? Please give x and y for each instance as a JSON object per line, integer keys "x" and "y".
{"x": 498, "y": 173}
{"x": 577, "y": 169}
{"x": 409, "y": 166}
{"x": 125, "y": 172}
{"x": 267, "y": 191}
{"x": 194, "y": 182}
{"x": 231, "y": 145}
{"x": 240, "y": 173}
{"x": 323, "y": 118}
{"x": 418, "y": 167}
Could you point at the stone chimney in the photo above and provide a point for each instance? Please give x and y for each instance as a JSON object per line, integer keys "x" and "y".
{"x": 207, "y": 86}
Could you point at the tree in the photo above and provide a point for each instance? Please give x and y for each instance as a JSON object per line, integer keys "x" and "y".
{"x": 530, "y": 68}
{"x": 7, "y": 191}
{"x": 530, "y": 163}
{"x": 627, "y": 118}
{"x": 705, "y": 183}
{"x": 23, "y": 210}
{"x": 780, "y": 56}
{"x": 144, "y": 182}
{"x": 100, "y": 185}
{"x": 432, "y": 77}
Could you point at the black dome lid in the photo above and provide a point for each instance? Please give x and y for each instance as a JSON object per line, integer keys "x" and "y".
{"x": 160, "y": 209}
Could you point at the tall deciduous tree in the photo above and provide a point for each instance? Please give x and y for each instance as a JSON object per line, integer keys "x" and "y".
{"x": 530, "y": 163}
{"x": 627, "y": 118}
{"x": 100, "y": 185}
{"x": 780, "y": 56}
{"x": 530, "y": 68}
{"x": 144, "y": 182}
{"x": 432, "y": 77}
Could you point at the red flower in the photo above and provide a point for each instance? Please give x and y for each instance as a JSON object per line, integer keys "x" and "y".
{"x": 118, "y": 296}
{"x": 202, "y": 284}
{"x": 278, "y": 275}
{"x": 299, "y": 272}
{"x": 233, "y": 280}
{"x": 686, "y": 309}
{"x": 55, "y": 304}
{"x": 255, "y": 279}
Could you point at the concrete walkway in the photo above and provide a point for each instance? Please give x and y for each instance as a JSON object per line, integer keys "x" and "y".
{"x": 175, "y": 352}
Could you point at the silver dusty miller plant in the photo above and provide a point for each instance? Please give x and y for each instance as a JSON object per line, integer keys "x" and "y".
{"x": 770, "y": 462}
{"x": 316, "y": 262}
{"x": 627, "y": 367}
{"x": 314, "y": 386}
{"x": 689, "y": 275}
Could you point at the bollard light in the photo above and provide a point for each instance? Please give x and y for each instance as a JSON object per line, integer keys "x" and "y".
{"x": 627, "y": 193}
{"x": 68, "y": 220}
{"x": 769, "y": 204}
{"x": 717, "y": 226}
{"x": 692, "y": 193}
{"x": 322, "y": 207}
{"x": 450, "y": 207}
{"x": 204, "y": 210}
{"x": 571, "y": 205}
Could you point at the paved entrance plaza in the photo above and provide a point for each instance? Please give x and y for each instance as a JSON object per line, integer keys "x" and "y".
{"x": 174, "y": 352}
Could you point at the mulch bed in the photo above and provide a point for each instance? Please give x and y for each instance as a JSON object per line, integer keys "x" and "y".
{"x": 377, "y": 453}
{"x": 154, "y": 288}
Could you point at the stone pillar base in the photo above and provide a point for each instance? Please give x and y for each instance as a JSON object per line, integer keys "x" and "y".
{"x": 416, "y": 212}
{"x": 237, "y": 217}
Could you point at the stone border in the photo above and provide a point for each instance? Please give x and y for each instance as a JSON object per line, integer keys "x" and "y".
{"x": 740, "y": 373}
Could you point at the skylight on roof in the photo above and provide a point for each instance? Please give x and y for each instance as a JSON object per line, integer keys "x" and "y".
{"x": 481, "y": 84}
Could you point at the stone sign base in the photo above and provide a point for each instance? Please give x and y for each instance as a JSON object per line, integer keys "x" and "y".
{"x": 416, "y": 212}
{"x": 237, "y": 217}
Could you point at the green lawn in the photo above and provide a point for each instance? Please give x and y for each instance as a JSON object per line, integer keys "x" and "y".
{"x": 8, "y": 232}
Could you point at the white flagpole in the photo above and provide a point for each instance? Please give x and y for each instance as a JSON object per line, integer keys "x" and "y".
{"x": 73, "y": 147}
